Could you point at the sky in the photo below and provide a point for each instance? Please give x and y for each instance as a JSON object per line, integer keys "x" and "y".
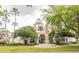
{"x": 27, "y": 16}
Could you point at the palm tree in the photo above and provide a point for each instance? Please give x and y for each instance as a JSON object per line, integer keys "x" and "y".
{"x": 4, "y": 14}
{"x": 5, "y": 18}
{"x": 15, "y": 12}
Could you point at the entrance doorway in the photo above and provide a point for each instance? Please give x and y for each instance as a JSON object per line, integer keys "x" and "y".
{"x": 42, "y": 39}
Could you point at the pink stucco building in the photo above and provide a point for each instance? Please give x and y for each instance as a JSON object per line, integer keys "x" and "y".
{"x": 41, "y": 30}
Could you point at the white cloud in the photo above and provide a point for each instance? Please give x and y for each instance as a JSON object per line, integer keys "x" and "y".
{"x": 27, "y": 16}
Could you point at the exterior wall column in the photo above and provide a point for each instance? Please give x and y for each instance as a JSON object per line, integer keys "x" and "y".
{"x": 28, "y": 42}
{"x": 46, "y": 40}
{"x": 38, "y": 41}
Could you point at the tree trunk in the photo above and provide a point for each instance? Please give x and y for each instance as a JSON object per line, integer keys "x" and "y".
{"x": 5, "y": 27}
{"x": 5, "y": 21}
{"x": 25, "y": 42}
{"x": 14, "y": 26}
{"x": 15, "y": 22}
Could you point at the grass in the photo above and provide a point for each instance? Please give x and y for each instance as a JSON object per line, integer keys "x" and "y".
{"x": 65, "y": 48}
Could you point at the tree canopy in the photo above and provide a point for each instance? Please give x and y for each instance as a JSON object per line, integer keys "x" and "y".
{"x": 63, "y": 16}
{"x": 26, "y": 32}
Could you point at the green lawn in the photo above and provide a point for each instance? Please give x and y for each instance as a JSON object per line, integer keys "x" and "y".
{"x": 35, "y": 49}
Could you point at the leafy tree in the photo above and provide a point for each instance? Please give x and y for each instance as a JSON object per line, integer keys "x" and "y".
{"x": 63, "y": 16}
{"x": 26, "y": 33}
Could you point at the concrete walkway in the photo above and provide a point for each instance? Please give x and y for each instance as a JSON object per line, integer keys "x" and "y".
{"x": 47, "y": 46}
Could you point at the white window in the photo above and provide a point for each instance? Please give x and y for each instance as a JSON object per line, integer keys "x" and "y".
{"x": 40, "y": 29}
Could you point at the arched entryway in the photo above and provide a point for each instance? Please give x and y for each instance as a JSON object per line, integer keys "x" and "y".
{"x": 42, "y": 39}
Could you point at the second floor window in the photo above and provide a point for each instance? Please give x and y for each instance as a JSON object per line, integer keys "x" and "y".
{"x": 40, "y": 29}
